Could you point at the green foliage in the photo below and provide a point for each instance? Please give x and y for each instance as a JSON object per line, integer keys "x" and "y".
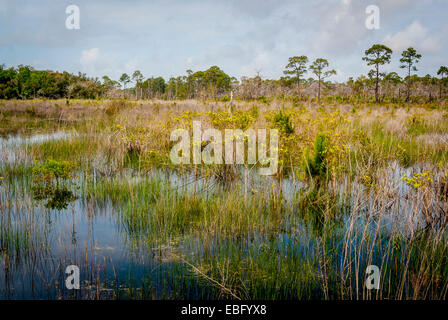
{"x": 318, "y": 67}
{"x": 443, "y": 71}
{"x": 125, "y": 79}
{"x": 154, "y": 86}
{"x": 409, "y": 59}
{"x": 239, "y": 119}
{"x": 210, "y": 82}
{"x": 54, "y": 170}
{"x": 24, "y": 82}
{"x": 49, "y": 183}
{"x": 416, "y": 125}
{"x": 296, "y": 67}
{"x": 115, "y": 106}
{"x": 377, "y": 55}
{"x": 109, "y": 83}
{"x": 317, "y": 164}
{"x": 282, "y": 121}
{"x": 392, "y": 77}
{"x": 137, "y": 76}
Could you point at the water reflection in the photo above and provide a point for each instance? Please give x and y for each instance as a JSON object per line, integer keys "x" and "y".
{"x": 44, "y": 230}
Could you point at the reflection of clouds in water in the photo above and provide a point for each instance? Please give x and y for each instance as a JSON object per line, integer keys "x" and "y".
{"x": 105, "y": 248}
{"x": 37, "y": 138}
{"x": 10, "y": 147}
{"x": 100, "y": 231}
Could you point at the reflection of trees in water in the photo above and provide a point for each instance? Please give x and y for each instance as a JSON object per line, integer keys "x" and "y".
{"x": 57, "y": 198}
{"x": 49, "y": 183}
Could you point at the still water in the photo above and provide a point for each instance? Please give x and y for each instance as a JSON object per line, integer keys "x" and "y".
{"x": 37, "y": 243}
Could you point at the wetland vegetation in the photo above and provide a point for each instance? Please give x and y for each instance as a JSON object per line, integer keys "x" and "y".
{"x": 90, "y": 183}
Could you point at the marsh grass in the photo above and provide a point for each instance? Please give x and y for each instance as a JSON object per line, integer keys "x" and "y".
{"x": 337, "y": 205}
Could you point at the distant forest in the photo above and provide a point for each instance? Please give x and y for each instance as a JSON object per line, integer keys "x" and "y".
{"x": 24, "y": 82}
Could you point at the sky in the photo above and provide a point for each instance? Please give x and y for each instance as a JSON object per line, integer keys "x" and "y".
{"x": 242, "y": 37}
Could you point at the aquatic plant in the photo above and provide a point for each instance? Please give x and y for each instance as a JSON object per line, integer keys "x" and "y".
{"x": 49, "y": 183}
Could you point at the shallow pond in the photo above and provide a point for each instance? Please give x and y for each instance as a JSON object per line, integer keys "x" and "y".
{"x": 116, "y": 261}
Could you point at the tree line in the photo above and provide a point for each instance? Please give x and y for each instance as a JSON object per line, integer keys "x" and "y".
{"x": 24, "y": 82}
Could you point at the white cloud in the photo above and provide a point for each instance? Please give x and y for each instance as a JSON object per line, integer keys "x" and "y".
{"x": 132, "y": 65}
{"x": 89, "y": 59}
{"x": 89, "y": 56}
{"x": 93, "y": 61}
{"x": 165, "y": 38}
{"x": 341, "y": 27}
{"x": 415, "y": 35}
{"x": 389, "y": 5}
{"x": 260, "y": 65}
